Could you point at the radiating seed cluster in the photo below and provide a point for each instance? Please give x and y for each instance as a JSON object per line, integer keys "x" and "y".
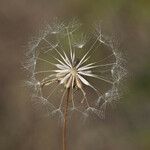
{"x": 62, "y": 58}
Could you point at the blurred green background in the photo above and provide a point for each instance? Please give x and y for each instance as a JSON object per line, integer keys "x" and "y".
{"x": 126, "y": 128}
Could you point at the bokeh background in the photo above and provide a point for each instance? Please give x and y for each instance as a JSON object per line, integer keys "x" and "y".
{"x": 126, "y": 128}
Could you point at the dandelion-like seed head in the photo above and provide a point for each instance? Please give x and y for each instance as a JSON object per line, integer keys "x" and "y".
{"x": 63, "y": 58}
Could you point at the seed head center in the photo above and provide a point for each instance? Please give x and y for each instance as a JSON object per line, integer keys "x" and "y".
{"x": 73, "y": 71}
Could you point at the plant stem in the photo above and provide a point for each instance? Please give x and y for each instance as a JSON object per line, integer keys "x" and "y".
{"x": 64, "y": 138}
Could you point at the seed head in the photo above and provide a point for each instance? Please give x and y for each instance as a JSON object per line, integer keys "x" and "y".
{"x": 59, "y": 61}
